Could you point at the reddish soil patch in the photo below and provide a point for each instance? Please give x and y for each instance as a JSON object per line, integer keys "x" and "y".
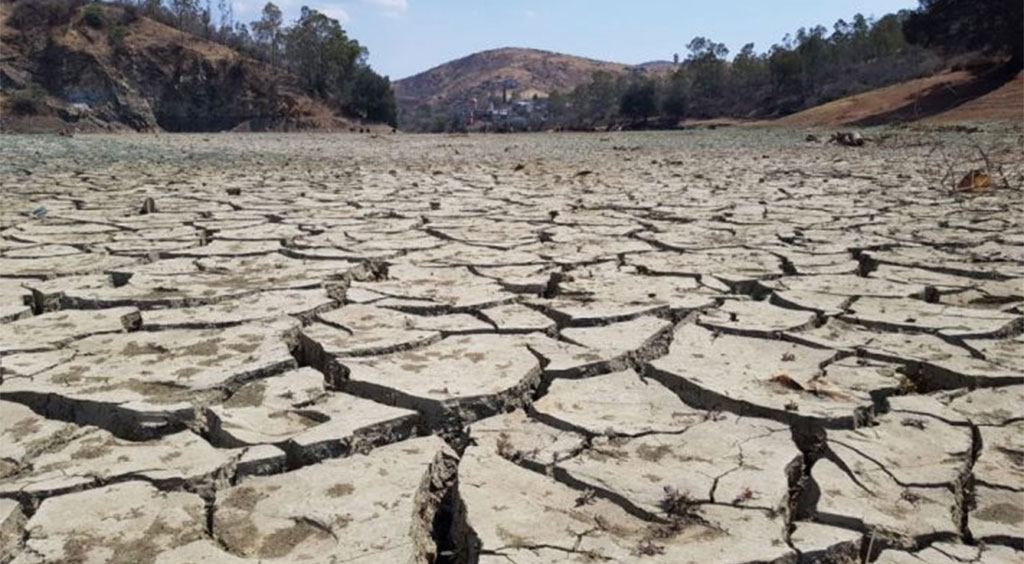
{"x": 946, "y": 97}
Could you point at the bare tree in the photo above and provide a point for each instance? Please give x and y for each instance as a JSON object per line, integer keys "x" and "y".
{"x": 185, "y": 12}
{"x": 267, "y": 31}
{"x": 227, "y": 16}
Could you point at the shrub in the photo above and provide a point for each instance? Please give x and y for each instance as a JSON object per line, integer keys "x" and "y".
{"x": 117, "y": 34}
{"x": 93, "y": 17}
{"x": 29, "y": 101}
{"x": 42, "y": 13}
{"x": 131, "y": 14}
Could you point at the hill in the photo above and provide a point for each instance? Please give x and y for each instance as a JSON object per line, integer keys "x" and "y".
{"x": 484, "y": 76}
{"x": 987, "y": 94}
{"x": 104, "y": 68}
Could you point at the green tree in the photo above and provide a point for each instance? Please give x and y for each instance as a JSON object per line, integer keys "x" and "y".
{"x": 785, "y": 68}
{"x": 186, "y": 13}
{"x": 675, "y": 100}
{"x": 956, "y": 26}
{"x": 372, "y": 97}
{"x": 813, "y": 53}
{"x": 708, "y": 70}
{"x": 267, "y": 30}
{"x": 640, "y": 100}
{"x": 558, "y": 106}
{"x": 887, "y": 37}
{"x": 595, "y": 102}
{"x": 749, "y": 77}
{"x": 320, "y": 53}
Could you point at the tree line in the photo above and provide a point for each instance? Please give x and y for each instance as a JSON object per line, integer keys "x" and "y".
{"x": 328, "y": 64}
{"x": 807, "y": 68}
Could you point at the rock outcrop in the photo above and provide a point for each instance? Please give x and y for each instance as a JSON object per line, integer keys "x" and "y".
{"x": 131, "y": 73}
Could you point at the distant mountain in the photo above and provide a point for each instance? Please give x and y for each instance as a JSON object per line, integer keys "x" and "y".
{"x": 485, "y": 75}
{"x": 657, "y": 66}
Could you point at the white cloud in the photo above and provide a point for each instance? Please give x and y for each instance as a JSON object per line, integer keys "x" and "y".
{"x": 391, "y": 6}
{"x": 336, "y": 12}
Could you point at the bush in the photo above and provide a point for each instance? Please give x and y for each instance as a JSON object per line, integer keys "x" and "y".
{"x": 131, "y": 14}
{"x": 93, "y": 17}
{"x": 29, "y": 101}
{"x": 117, "y": 34}
{"x": 42, "y": 13}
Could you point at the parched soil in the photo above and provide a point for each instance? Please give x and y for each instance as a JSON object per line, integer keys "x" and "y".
{"x": 957, "y": 96}
{"x": 700, "y": 346}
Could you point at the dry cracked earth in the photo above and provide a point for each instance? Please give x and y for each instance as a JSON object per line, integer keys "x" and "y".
{"x": 692, "y": 347}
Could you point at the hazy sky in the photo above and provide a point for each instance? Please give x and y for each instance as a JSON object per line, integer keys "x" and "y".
{"x": 409, "y": 36}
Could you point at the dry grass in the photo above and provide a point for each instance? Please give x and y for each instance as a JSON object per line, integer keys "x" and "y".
{"x": 539, "y": 72}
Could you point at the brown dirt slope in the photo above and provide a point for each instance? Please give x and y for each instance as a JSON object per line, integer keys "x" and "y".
{"x": 1005, "y": 103}
{"x": 138, "y": 74}
{"x": 946, "y": 97}
{"x": 482, "y": 75}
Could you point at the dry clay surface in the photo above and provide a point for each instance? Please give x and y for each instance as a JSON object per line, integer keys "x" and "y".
{"x": 688, "y": 347}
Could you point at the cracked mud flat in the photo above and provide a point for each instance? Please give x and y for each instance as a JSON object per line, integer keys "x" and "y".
{"x": 725, "y": 346}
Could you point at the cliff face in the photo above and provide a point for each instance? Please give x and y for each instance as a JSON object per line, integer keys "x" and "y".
{"x": 120, "y": 72}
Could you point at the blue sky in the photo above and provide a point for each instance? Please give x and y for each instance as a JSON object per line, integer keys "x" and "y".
{"x": 409, "y": 36}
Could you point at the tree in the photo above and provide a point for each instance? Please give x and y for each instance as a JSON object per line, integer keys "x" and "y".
{"x": 558, "y": 106}
{"x": 321, "y": 55}
{"x": 151, "y": 8}
{"x": 957, "y": 26}
{"x": 227, "y": 16}
{"x": 372, "y": 98}
{"x": 784, "y": 67}
{"x": 640, "y": 100}
{"x": 205, "y": 18}
{"x": 675, "y": 100}
{"x": 708, "y": 74}
{"x": 241, "y": 39}
{"x": 186, "y": 12}
{"x": 814, "y": 53}
{"x": 748, "y": 80}
{"x": 267, "y": 30}
{"x": 596, "y": 101}
{"x": 887, "y": 36}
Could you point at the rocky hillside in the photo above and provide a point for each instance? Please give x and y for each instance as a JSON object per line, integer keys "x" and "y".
{"x": 484, "y": 75}
{"x": 100, "y": 68}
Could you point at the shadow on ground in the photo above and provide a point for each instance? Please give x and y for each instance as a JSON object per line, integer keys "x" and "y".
{"x": 944, "y": 97}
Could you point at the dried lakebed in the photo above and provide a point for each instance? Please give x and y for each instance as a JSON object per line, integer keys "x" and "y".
{"x": 728, "y": 346}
